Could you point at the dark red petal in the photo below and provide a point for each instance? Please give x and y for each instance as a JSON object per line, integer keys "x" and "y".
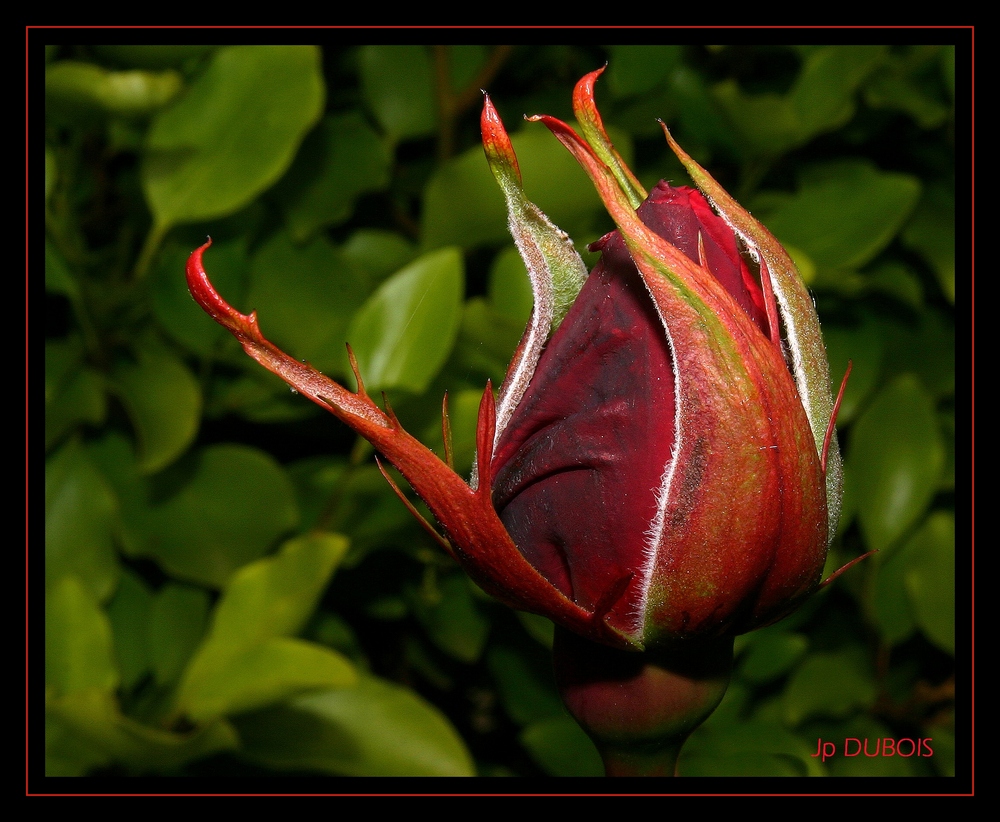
{"x": 577, "y": 470}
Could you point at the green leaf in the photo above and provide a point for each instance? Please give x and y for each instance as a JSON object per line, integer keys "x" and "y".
{"x": 341, "y": 159}
{"x": 398, "y": 85}
{"x": 241, "y": 664}
{"x": 737, "y": 746}
{"x": 767, "y": 124}
{"x": 695, "y": 762}
{"x": 931, "y": 232}
{"x": 365, "y": 506}
{"x": 62, "y": 360}
{"x": 378, "y": 252}
{"x": 561, "y": 748}
{"x": 305, "y": 296}
{"x": 81, "y": 518}
{"x": 234, "y": 132}
{"x": 898, "y": 281}
{"x": 944, "y": 751}
{"x": 219, "y": 509}
{"x": 890, "y": 604}
{"x": 946, "y": 418}
{"x": 163, "y": 401}
{"x": 257, "y": 396}
{"x": 79, "y": 650}
{"x": 845, "y": 212}
{"x": 462, "y": 204}
{"x": 699, "y": 118}
{"x": 68, "y": 753}
{"x": 73, "y": 88}
{"x": 539, "y": 628}
{"x": 263, "y": 674}
{"x": 948, "y": 69}
{"x": 74, "y": 393}
{"x": 91, "y": 721}
{"x": 896, "y": 458}
{"x": 906, "y": 84}
{"x": 771, "y": 653}
{"x": 452, "y": 619}
{"x": 275, "y": 596}
{"x": 823, "y": 94}
{"x": 177, "y": 619}
{"x": 830, "y": 684}
{"x": 930, "y": 579}
{"x": 923, "y": 346}
{"x": 821, "y": 99}
{"x": 129, "y": 611}
{"x": 556, "y": 189}
{"x": 373, "y": 729}
{"x": 403, "y": 334}
{"x": 113, "y": 454}
{"x": 915, "y": 586}
{"x": 59, "y": 279}
{"x": 635, "y": 69}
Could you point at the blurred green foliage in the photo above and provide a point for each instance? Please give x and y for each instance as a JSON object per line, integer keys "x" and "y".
{"x": 231, "y": 585}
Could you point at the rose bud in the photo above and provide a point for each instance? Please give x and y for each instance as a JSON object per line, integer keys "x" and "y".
{"x": 659, "y": 468}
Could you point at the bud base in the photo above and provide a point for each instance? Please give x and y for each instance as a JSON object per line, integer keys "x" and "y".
{"x": 640, "y": 708}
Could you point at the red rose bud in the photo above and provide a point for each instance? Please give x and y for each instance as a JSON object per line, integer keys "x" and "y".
{"x": 579, "y": 471}
{"x": 653, "y": 471}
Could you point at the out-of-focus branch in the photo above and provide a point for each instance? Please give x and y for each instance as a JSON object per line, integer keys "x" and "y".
{"x": 451, "y": 104}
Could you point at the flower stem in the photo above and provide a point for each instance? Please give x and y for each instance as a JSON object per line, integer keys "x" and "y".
{"x": 640, "y": 708}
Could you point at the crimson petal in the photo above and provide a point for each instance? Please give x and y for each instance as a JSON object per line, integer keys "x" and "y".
{"x": 576, "y": 472}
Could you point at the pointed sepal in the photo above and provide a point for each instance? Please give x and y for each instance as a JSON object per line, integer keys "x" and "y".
{"x": 592, "y": 126}
{"x": 471, "y": 526}
{"x": 798, "y": 317}
{"x": 554, "y": 266}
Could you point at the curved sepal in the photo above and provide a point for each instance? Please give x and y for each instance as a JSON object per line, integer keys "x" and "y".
{"x": 798, "y": 315}
{"x": 478, "y": 538}
{"x": 592, "y": 126}
{"x": 555, "y": 268}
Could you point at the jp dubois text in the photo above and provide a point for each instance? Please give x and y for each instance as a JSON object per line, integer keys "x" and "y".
{"x": 882, "y": 746}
